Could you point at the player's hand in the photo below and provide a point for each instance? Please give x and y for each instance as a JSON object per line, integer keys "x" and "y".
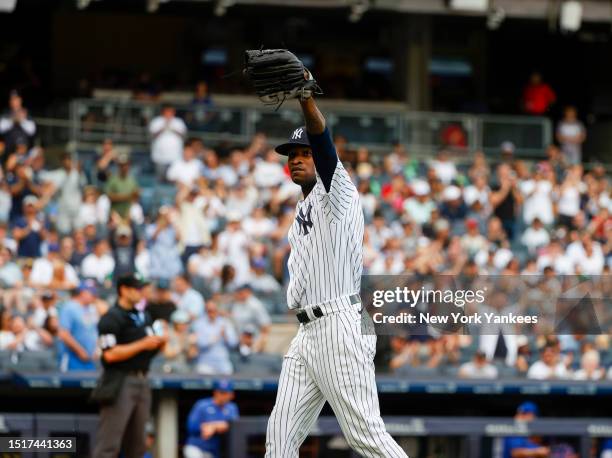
{"x": 207, "y": 430}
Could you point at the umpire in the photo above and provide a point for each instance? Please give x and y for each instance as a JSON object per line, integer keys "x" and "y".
{"x": 128, "y": 343}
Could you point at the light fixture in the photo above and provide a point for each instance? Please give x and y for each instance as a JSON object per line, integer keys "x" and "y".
{"x": 221, "y": 7}
{"x": 82, "y": 4}
{"x": 358, "y": 8}
{"x": 477, "y": 6}
{"x": 571, "y": 16}
{"x": 495, "y": 18}
{"x": 7, "y": 6}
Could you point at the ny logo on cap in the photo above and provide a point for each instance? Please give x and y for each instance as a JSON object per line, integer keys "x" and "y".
{"x": 297, "y": 134}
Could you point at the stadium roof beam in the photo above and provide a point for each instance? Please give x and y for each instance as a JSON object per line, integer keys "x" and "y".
{"x": 592, "y": 10}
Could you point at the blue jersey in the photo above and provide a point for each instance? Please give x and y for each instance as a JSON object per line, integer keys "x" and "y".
{"x": 512, "y": 443}
{"x": 204, "y": 411}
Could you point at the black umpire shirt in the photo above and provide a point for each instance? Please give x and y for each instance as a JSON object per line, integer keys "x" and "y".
{"x": 120, "y": 326}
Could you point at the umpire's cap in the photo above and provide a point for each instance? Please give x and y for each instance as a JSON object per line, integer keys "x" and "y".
{"x": 131, "y": 281}
{"x": 298, "y": 138}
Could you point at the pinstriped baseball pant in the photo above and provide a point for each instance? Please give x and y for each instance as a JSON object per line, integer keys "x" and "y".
{"x": 330, "y": 360}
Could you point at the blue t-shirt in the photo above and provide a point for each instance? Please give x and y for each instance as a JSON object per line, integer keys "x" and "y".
{"x": 29, "y": 246}
{"x": 512, "y": 443}
{"x": 205, "y": 410}
{"x": 82, "y": 323}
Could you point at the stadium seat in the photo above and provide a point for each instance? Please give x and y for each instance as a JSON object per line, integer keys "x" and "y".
{"x": 5, "y": 360}
{"x": 34, "y": 361}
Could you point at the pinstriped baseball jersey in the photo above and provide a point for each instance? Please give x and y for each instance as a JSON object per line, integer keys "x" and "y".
{"x": 326, "y": 239}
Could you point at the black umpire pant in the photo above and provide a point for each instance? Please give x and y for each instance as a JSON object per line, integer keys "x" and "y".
{"x": 122, "y": 425}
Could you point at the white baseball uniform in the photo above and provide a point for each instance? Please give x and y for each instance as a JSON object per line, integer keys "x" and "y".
{"x": 330, "y": 359}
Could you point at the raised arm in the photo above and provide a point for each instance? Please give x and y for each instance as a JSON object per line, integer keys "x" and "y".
{"x": 323, "y": 149}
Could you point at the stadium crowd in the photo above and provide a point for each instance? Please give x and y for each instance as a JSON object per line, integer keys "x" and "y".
{"x": 215, "y": 254}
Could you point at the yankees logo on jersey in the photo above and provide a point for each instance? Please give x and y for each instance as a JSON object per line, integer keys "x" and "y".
{"x": 304, "y": 219}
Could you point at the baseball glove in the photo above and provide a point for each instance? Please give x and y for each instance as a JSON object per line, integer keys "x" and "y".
{"x": 278, "y": 75}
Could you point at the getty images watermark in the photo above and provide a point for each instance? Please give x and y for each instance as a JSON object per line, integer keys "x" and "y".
{"x": 486, "y": 305}
{"x": 458, "y": 298}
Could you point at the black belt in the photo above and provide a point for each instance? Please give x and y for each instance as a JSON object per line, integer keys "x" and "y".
{"x": 303, "y": 317}
{"x": 137, "y": 373}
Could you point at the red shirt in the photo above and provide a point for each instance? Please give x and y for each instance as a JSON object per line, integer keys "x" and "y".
{"x": 537, "y": 98}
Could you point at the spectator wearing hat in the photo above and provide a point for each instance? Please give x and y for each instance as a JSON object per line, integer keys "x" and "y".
{"x": 209, "y": 420}
{"x": 473, "y": 241}
{"x": 187, "y": 298}
{"x": 167, "y": 132}
{"x": 123, "y": 243}
{"x": 181, "y": 348}
{"x": 122, "y": 188}
{"x": 247, "y": 310}
{"x": 15, "y": 125}
{"x": 248, "y": 359}
{"x": 99, "y": 264}
{"x": 419, "y": 207}
{"x": 453, "y": 207}
{"x": 78, "y": 320}
{"x": 215, "y": 337}
{"x": 523, "y": 446}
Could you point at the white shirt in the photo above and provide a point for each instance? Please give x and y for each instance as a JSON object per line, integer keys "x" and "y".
{"x": 445, "y": 170}
{"x": 326, "y": 240}
{"x": 538, "y": 201}
{"x": 185, "y": 172}
{"x": 587, "y": 265}
{"x": 97, "y": 267}
{"x": 167, "y": 147}
{"x": 258, "y": 228}
{"x": 569, "y": 201}
{"x": 235, "y": 246}
{"x": 42, "y": 273}
{"x": 472, "y": 194}
{"x": 540, "y": 371}
{"x": 535, "y": 238}
{"x": 267, "y": 174}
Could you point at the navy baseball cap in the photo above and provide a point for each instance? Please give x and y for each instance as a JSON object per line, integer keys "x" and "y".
{"x": 223, "y": 385}
{"x": 298, "y": 138}
{"x": 131, "y": 281}
{"x": 88, "y": 285}
{"x": 528, "y": 407}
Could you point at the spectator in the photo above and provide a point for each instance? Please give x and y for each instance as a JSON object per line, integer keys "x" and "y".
{"x": 505, "y": 199}
{"x": 99, "y": 264}
{"x": 247, "y": 359}
{"x": 478, "y": 368}
{"x": 53, "y": 272}
{"x": 187, "y": 298}
{"x": 10, "y": 274}
{"x": 571, "y": 134}
{"x": 78, "y": 320}
{"x": 67, "y": 183}
{"x": 181, "y": 347}
{"x": 538, "y": 96}
{"x": 443, "y": 168}
{"x": 548, "y": 366}
{"x": 163, "y": 237}
{"x": 527, "y": 447}
{"x": 185, "y": 171}
{"x": 589, "y": 367}
{"x": 234, "y": 244}
{"x": 192, "y": 224}
{"x": 15, "y": 125}
{"x": 168, "y": 132}
{"x": 209, "y": 420}
{"x": 420, "y": 207}
{"x": 535, "y": 236}
{"x": 161, "y": 306}
{"x": 124, "y": 244}
{"x": 215, "y": 336}
{"x": 21, "y": 337}
{"x": 108, "y": 155}
{"x": 94, "y": 210}
{"x": 246, "y": 310}
{"x": 569, "y": 196}
{"x": 472, "y": 241}
{"x": 47, "y": 309}
{"x": 21, "y": 186}
{"x": 122, "y": 189}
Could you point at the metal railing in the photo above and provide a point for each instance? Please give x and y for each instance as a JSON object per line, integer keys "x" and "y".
{"x": 422, "y": 133}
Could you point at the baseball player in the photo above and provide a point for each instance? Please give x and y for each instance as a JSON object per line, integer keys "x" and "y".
{"x": 330, "y": 359}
